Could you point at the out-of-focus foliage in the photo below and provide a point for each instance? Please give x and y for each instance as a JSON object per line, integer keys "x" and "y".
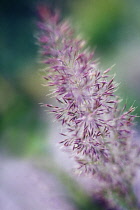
{"x": 21, "y": 126}
{"x": 108, "y": 22}
{"x": 101, "y": 21}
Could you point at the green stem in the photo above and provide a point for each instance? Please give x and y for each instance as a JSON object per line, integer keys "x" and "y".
{"x": 125, "y": 200}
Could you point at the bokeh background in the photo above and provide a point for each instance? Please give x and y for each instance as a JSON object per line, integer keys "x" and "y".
{"x": 112, "y": 28}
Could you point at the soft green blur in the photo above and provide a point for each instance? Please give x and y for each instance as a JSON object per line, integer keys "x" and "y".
{"x": 112, "y": 28}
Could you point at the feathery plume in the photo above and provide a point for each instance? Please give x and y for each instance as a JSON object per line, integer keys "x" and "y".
{"x": 98, "y": 132}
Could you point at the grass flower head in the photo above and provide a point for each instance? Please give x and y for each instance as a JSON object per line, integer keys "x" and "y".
{"x": 98, "y": 132}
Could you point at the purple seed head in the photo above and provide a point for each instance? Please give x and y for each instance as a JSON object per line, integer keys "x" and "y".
{"x": 98, "y": 132}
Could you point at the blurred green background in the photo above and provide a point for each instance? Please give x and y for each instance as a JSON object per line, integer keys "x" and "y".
{"x": 112, "y": 28}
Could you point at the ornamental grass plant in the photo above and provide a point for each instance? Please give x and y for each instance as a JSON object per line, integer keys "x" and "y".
{"x": 98, "y": 132}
